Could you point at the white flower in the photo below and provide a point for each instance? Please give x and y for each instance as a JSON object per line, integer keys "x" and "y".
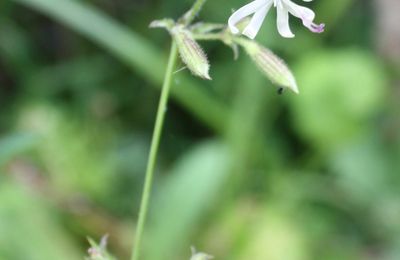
{"x": 260, "y": 8}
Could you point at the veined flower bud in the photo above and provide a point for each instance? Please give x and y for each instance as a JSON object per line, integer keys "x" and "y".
{"x": 191, "y": 53}
{"x": 270, "y": 64}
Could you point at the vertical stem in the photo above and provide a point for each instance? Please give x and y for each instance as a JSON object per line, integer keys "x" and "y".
{"x": 194, "y": 11}
{"x": 144, "y": 206}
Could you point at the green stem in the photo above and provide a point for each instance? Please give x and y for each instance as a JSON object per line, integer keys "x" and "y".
{"x": 209, "y": 37}
{"x": 194, "y": 11}
{"x": 155, "y": 142}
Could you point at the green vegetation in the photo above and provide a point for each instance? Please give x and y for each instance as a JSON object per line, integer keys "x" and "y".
{"x": 242, "y": 173}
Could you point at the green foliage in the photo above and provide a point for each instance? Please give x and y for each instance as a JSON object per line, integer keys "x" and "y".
{"x": 98, "y": 251}
{"x": 342, "y": 92}
{"x": 190, "y": 190}
{"x": 243, "y": 172}
{"x": 30, "y": 229}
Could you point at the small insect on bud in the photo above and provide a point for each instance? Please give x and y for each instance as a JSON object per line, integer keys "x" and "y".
{"x": 271, "y": 65}
{"x": 191, "y": 53}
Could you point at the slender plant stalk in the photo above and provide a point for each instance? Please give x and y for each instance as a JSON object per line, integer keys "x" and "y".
{"x": 155, "y": 142}
{"x": 196, "y": 8}
{"x": 209, "y": 37}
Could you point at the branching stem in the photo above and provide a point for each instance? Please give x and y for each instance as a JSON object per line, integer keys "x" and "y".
{"x": 155, "y": 141}
{"x": 196, "y": 8}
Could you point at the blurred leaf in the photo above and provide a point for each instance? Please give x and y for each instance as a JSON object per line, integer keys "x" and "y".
{"x": 342, "y": 91}
{"x": 132, "y": 49}
{"x": 29, "y": 229}
{"x": 275, "y": 237}
{"x": 330, "y": 12}
{"x": 357, "y": 166}
{"x": 15, "y": 47}
{"x": 72, "y": 150}
{"x": 229, "y": 231}
{"x": 11, "y": 146}
{"x": 192, "y": 187}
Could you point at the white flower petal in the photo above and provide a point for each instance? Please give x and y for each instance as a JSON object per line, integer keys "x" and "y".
{"x": 260, "y": 9}
{"x": 243, "y": 13}
{"x": 283, "y": 22}
{"x": 255, "y": 24}
{"x": 304, "y": 13}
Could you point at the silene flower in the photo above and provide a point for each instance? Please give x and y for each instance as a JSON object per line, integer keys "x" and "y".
{"x": 259, "y": 10}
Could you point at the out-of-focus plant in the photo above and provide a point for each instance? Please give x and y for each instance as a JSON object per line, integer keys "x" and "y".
{"x": 98, "y": 251}
{"x": 317, "y": 175}
{"x": 200, "y": 255}
{"x": 184, "y": 42}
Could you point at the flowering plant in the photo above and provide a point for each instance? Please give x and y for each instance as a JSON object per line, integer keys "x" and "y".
{"x": 260, "y": 8}
{"x": 185, "y": 36}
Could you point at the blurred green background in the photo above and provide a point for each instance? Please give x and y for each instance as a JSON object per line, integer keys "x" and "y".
{"x": 243, "y": 173}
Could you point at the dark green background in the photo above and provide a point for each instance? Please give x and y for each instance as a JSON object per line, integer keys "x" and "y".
{"x": 243, "y": 173}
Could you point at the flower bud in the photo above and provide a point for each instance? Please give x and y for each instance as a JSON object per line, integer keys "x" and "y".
{"x": 200, "y": 255}
{"x": 191, "y": 53}
{"x": 271, "y": 65}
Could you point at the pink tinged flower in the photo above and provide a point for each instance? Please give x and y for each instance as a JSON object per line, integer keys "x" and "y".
{"x": 259, "y": 10}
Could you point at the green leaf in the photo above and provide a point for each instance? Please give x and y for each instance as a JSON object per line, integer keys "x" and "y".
{"x": 190, "y": 190}
{"x": 342, "y": 92}
{"x": 133, "y": 50}
{"x": 28, "y": 229}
